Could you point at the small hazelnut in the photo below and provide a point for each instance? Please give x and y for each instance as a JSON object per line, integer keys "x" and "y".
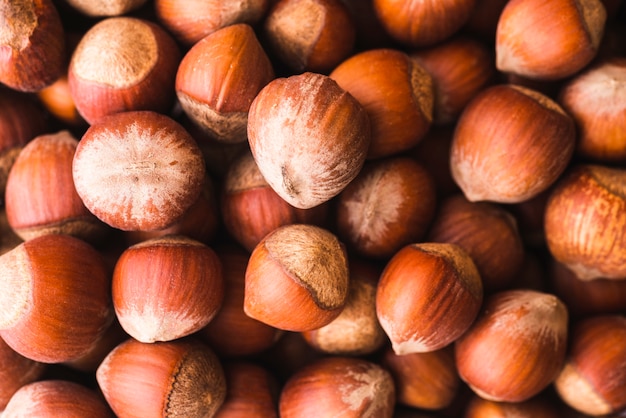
{"x": 535, "y": 407}
{"x": 181, "y": 378}
{"x": 584, "y": 219}
{"x": 218, "y": 78}
{"x": 297, "y": 278}
{"x": 15, "y": 372}
{"x": 516, "y": 347}
{"x": 397, "y": 94}
{"x": 251, "y": 392}
{"x": 338, "y": 387}
{"x": 593, "y": 379}
{"x": 123, "y": 64}
{"x": 548, "y": 39}
{"x": 428, "y": 296}
{"x": 138, "y": 170}
{"x": 100, "y": 8}
{"x": 308, "y": 136}
{"x": 508, "y": 159}
{"x": 167, "y": 288}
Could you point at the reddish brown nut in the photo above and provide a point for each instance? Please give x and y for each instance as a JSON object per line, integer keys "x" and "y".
{"x": 428, "y": 296}
{"x": 55, "y": 397}
{"x": 297, "y": 278}
{"x": 584, "y": 222}
{"x": 595, "y": 99}
{"x": 55, "y": 297}
{"x": 390, "y": 204}
{"x": 536, "y": 407}
{"x": 232, "y": 333}
{"x": 308, "y": 136}
{"x": 97, "y": 8}
{"x": 310, "y": 35}
{"x": 342, "y": 387}
{"x": 138, "y": 170}
{"x": 251, "y": 392}
{"x": 532, "y": 43}
{"x": 167, "y": 288}
{"x": 32, "y": 44}
{"x": 503, "y": 159}
{"x": 40, "y": 194}
{"x": 460, "y": 67}
{"x": 123, "y": 64}
{"x": 417, "y": 23}
{"x": 356, "y": 331}
{"x": 483, "y": 21}
{"x": 397, "y": 94}
{"x": 191, "y": 20}
{"x": 251, "y": 209}
{"x": 218, "y": 78}
{"x": 181, "y": 378}
{"x": 15, "y": 372}
{"x": 487, "y": 232}
{"x": 593, "y": 379}
{"x": 424, "y": 380}
{"x": 516, "y": 347}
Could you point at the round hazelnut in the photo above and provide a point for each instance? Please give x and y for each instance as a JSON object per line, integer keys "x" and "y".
{"x": 308, "y": 136}
{"x": 123, "y": 64}
{"x": 297, "y": 278}
{"x": 548, "y": 40}
{"x": 16, "y": 371}
{"x": 167, "y": 288}
{"x": 218, "y": 78}
{"x": 397, "y": 94}
{"x": 99, "y": 8}
{"x": 535, "y": 407}
{"x": 339, "y": 387}
{"x": 507, "y": 159}
{"x": 516, "y": 347}
{"x": 138, "y": 170}
{"x": 583, "y": 222}
{"x": 428, "y": 295}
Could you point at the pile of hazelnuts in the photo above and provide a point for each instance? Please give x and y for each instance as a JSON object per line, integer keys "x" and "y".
{"x": 312, "y": 208}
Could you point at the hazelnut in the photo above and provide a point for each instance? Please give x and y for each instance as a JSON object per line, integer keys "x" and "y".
{"x": 417, "y": 23}
{"x": 390, "y": 204}
{"x": 503, "y": 159}
{"x": 584, "y": 219}
{"x": 428, "y": 296}
{"x": 40, "y": 193}
{"x": 191, "y": 20}
{"x": 297, "y": 278}
{"x": 593, "y": 379}
{"x": 338, "y": 387}
{"x": 218, "y": 78}
{"x": 167, "y": 288}
{"x": 487, "y": 232}
{"x": 310, "y": 35}
{"x": 99, "y": 8}
{"x": 516, "y": 347}
{"x": 595, "y": 100}
{"x": 251, "y": 392}
{"x": 232, "y": 333}
{"x": 123, "y": 64}
{"x": 55, "y": 298}
{"x": 532, "y": 42}
{"x": 138, "y": 170}
{"x": 397, "y": 94}
{"x": 55, "y": 397}
{"x": 356, "y": 331}
{"x": 181, "y": 378}
{"x": 424, "y": 380}
{"x": 32, "y": 44}
{"x": 535, "y": 407}
{"x": 16, "y": 371}
{"x": 308, "y": 136}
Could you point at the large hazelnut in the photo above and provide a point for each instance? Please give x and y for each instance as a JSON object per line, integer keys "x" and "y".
{"x": 584, "y": 222}
{"x": 138, "y": 170}
{"x": 297, "y": 278}
{"x": 428, "y": 296}
{"x": 506, "y": 159}
{"x": 397, "y": 94}
{"x": 308, "y": 136}
{"x": 516, "y": 347}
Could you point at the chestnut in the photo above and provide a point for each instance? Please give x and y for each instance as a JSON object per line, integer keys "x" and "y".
{"x": 507, "y": 159}
{"x": 428, "y": 295}
{"x": 309, "y": 137}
